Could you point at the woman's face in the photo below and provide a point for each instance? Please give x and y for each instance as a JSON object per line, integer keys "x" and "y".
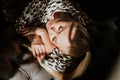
{"x": 61, "y": 34}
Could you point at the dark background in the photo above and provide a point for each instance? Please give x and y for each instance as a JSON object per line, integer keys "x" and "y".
{"x": 98, "y": 10}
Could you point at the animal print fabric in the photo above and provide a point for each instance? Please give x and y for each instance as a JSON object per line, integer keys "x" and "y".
{"x": 60, "y": 62}
{"x": 41, "y": 10}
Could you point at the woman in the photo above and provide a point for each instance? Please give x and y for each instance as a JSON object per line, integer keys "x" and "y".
{"x": 75, "y": 38}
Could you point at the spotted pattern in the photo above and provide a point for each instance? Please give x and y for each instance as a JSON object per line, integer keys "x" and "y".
{"x": 60, "y": 62}
{"x": 41, "y": 10}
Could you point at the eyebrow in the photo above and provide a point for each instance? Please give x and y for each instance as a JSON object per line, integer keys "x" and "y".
{"x": 59, "y": 29}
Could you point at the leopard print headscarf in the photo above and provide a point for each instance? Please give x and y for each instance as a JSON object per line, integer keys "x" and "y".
{"x": 41, "y": 10}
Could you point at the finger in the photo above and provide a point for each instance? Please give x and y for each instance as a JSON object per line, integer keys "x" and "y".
{"x": 25, "y": 31}
{"x": 28, "y": 33}
{"x": 40, "y": 52}
{"x": 37, "y": 49}
{"x": 33, "y": 51}
{"x": 42, "y": 56}
{"x": 43, "y": 50}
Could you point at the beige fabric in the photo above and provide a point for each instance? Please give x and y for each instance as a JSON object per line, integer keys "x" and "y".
{"x": 31, "y": 71}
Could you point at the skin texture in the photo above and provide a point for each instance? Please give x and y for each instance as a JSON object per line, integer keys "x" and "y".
{"x": 61, "y": 34}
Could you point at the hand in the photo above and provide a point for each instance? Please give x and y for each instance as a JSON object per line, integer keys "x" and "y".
{"x": 25, "y": 31}
{"x": 38, "y": 48}
{"x": 49, "y": 46}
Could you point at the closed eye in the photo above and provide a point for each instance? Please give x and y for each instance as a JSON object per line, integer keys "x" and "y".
{"x": 54, "y": 39}
{"x": 60, "y": 29}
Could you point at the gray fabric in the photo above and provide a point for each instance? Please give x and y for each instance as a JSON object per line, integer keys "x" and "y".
{"x": 31, "y": 71}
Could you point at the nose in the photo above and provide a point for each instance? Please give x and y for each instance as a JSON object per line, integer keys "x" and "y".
{"x": 49, "y": 25}
{"x": 53, "y": 29}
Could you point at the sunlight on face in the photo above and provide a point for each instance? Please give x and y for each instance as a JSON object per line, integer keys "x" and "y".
{"x": 61, "y": 34}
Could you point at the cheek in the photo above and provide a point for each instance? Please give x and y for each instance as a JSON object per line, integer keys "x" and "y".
{"x": 63, "y": 44}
